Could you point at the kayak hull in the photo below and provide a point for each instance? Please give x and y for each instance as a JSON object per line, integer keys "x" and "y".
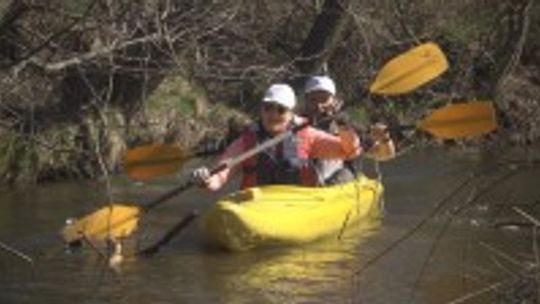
{"x": 289, "y": 215}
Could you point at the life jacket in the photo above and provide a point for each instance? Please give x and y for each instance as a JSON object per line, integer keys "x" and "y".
{"x": 285, "y": 163}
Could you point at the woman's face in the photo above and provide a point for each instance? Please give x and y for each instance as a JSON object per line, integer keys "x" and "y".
{"x": 275, "y": 117}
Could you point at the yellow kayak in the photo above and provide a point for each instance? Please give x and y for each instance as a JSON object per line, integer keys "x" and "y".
{"x": 280, "y": 214}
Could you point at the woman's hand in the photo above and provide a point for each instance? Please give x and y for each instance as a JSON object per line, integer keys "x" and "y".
{"x": 200, "y": 177}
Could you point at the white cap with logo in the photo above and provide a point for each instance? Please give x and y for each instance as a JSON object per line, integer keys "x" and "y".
{"x": 281, "y": 94}
{"x": 320, "y": 83}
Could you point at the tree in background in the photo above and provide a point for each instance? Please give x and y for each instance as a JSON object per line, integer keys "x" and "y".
{"x": 79, "y": 79}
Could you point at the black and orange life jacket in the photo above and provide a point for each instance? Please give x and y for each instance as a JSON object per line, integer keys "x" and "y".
{"x": 286, "y": 163}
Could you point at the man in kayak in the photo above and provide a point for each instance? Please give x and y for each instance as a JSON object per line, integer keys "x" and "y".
{"x": 287, "y": 162}
{"x": 321, "y": 105}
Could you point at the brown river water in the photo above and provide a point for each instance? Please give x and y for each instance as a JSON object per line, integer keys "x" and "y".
{"x": 452, "y": 232}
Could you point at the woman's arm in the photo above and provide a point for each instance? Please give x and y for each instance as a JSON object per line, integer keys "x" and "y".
{"x": 216, "y": 181}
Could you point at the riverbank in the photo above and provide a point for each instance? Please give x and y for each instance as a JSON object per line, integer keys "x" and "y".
{"x": 93, "y": 146}
{"x": 179, "y": 113}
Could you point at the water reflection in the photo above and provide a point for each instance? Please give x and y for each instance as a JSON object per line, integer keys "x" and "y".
{"x": 322, "y": 270}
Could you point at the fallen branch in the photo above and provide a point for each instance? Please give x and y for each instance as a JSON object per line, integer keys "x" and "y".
{"x": 16, "y": 253}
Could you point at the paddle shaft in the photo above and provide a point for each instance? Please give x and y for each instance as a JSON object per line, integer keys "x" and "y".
{"x": 184, "y": 222}
{"x": 414, "y": 127}
{"x": 225, "y": 165}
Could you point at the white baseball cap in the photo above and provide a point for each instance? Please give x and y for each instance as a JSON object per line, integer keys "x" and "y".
{"x": 320, "y": 83}
{"x": 281, "y": 94}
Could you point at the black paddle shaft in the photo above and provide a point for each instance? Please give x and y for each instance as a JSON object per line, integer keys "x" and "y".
{"x": 185, "y": 186}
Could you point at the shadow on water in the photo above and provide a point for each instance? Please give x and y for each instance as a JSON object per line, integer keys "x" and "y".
{"x": 470, "y": 247}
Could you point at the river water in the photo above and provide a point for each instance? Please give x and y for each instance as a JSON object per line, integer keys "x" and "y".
{"x": 452, "y": 232}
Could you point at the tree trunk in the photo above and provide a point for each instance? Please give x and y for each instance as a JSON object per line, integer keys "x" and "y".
{"x": 507, "y": 45}
{"x": 323, "y": 37}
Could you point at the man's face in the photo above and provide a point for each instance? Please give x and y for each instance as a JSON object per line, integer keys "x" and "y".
{"x": 319, "y": 104}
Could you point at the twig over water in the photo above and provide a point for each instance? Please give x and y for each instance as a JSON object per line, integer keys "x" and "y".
{"x": 16, "y": 253}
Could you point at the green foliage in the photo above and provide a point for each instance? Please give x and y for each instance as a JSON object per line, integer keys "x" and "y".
{"x": 175, "y": 94}
{"x": 76, "y": 7}
{"x": 359, "y": 114}
{"x": 6, "y": 152}
{"x": 186, "y": 105}
{"x": 18, "y": 159}
{"x": 3, "y": 5}
{"x": 219, "y": 110}
{"x": 25, "y": 159}
{"x": 468, "y": 27}
{"x": 459, "y": 32}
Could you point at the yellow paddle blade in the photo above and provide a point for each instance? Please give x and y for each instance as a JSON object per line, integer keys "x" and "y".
{"x": 410, "y": 70}
{"x": 154, "y": 160}
{"x": 112, "y": 221}
{"x": 461, "y": 120}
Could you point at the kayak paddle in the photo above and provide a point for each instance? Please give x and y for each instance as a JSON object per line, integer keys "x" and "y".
{"x": 459, "y": 120}
{"x": 145, "y": 162}
{"x": 410, "y": 70}
{"x": 118, "y": 220}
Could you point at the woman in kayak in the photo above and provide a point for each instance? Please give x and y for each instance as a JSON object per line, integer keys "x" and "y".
{"x": 287, "y": 162}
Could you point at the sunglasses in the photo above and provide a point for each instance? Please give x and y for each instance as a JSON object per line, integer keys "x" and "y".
{"x": 268, "y": 107}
